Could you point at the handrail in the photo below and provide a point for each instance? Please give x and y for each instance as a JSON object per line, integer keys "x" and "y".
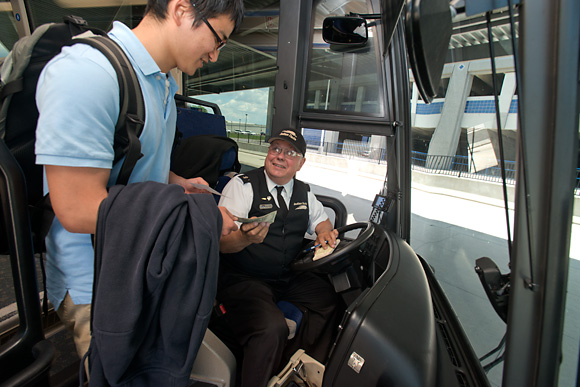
{"x": 182, "y": 100}
{"x": 18, "y": 357}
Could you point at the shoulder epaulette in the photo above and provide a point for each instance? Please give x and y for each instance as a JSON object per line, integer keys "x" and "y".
{"x": 245, "y": 178}
{"x": 307, "y": 186}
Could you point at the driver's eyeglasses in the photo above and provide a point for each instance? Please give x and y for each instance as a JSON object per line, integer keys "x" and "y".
{"x": 276, "y": 150}
{"x": 221, "y": 43}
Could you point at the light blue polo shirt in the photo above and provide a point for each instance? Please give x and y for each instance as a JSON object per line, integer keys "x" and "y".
{"x": 78, "y": 101}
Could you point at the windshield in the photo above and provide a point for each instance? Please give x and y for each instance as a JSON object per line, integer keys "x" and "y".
{"x": 458, "y": 208}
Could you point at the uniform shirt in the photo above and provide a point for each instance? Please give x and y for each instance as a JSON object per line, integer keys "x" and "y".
{"x": 238, "y": 199}
{"x": 78, "y": 101}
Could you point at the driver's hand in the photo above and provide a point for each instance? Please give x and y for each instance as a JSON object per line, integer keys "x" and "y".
{"x": 327, "y": 238}
{"x": 255, "y": 232}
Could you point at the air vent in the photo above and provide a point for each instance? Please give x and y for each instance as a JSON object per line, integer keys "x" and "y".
{"x": 436, "y": 312}
{"x": 461, "y": 379}
{"x": 452, "y": 356}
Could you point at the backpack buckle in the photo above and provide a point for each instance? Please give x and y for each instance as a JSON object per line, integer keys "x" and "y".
{"x": 79, "y": 21}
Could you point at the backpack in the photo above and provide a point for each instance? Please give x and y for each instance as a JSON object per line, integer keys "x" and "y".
{"x": 19, "y": 74}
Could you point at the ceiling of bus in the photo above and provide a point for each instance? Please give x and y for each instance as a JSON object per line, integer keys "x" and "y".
{"x": 249, "y": 59}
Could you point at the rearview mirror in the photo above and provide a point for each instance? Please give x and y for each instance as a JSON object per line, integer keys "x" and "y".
{"x": 428, "y": 31}
{"x": 345, "y": 30}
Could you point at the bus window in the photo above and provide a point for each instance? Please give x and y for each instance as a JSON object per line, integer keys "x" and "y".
{"x": 457, "y": 199}
{"x": 570, "y": 342}
{"x": 242, "y": 81}
{"x": 96, "y": 13}
{"x": 348, "y": 80}
{"x": 8, "y": 33}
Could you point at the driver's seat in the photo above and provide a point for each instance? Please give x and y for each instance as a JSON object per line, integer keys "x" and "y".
{"x": 215, "y": 363}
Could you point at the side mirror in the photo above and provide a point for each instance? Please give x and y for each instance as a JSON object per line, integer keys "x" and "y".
{"x": 345, "y": 30}
{"x": 428, "y": 31}
{"x": 495, "y": 284}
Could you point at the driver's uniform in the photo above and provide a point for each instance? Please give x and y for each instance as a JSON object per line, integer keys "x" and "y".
{"x": 255, "y": 279}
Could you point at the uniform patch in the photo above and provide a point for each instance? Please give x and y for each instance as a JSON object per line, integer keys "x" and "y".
{"x": 266, "y": 206}
{"x": 300, "y": 205}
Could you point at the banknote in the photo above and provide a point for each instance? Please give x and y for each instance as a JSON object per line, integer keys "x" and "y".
{"x": 268, "y": 218}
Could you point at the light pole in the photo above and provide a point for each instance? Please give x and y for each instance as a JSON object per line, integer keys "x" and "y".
{"x": 246, "y": 127}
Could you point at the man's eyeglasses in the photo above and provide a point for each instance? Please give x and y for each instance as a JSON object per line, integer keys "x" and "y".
{"x": 221, "y": 43}
{"x": 276, "y": 150}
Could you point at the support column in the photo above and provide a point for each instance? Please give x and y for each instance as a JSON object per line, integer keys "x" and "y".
{"x": 446, "y": 135}
{"x": 483, "y": 141}
{"x": 360, "y": 92}
{"x": 330, "y": 141}
{"x": 378, "y": 144}
{"x": 508, "y": 90}
{"x": 414, "y": 99}
{"x": 269, "y": 111}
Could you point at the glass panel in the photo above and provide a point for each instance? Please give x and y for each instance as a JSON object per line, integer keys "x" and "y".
{"x": 8, "y": 33}
{"x": 344, "y": 81}
{"x": 99, "y": 14}
{"x": 241, "y": 81}
{"x": 571, "y": 341}
{"x": 457, "y": 204}
{"x": 8, "y": 36}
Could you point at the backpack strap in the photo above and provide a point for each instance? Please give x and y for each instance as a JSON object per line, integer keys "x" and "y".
{"x": 132, "y": 109}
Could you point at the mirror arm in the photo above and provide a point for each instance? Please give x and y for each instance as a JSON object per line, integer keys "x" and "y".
{"x": 365, "y": 15}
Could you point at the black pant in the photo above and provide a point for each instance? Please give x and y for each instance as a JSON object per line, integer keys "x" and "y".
{"x": 260, "y": 328}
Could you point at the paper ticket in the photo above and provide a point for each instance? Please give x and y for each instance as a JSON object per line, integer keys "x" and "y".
{"x": 321, "y": 253}
{"x": 205, "y": 188}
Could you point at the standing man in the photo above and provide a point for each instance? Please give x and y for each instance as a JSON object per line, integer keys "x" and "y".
{"x": 255, "y": 272}
{"x": 78, "y": 101}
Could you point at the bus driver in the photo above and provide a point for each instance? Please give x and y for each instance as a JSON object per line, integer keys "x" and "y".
{"x": 254, "y": 268}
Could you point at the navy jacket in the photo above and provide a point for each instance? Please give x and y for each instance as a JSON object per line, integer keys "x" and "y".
{"x": 156, "y": 264}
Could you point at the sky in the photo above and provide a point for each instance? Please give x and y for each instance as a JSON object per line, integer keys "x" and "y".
{"x": 236, "y": 104}
{"x": 3, "y": 50}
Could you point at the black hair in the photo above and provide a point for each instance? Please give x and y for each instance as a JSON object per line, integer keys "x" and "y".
{"x": 203, "y": 8}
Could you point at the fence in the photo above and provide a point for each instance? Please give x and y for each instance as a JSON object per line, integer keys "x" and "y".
{"x": 459, "y": 166}
{"x": 351, "y": 149}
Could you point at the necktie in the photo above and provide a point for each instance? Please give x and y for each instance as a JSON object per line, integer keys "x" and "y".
{"x": 281, "y": 203}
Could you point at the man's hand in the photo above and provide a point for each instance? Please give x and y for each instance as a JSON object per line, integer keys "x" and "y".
{"x": 190, "y": 189}
{"x": 228, "y": 224}
{"x": 327, "y": 238}
{"x": 255, "y": 232}
{"x": 248, "y": 234}
{"x": 325, "y": 233}
{"x": 187, "y": 183}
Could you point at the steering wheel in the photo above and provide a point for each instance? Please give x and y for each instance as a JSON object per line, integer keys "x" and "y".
{"x": 341, "y": 255}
